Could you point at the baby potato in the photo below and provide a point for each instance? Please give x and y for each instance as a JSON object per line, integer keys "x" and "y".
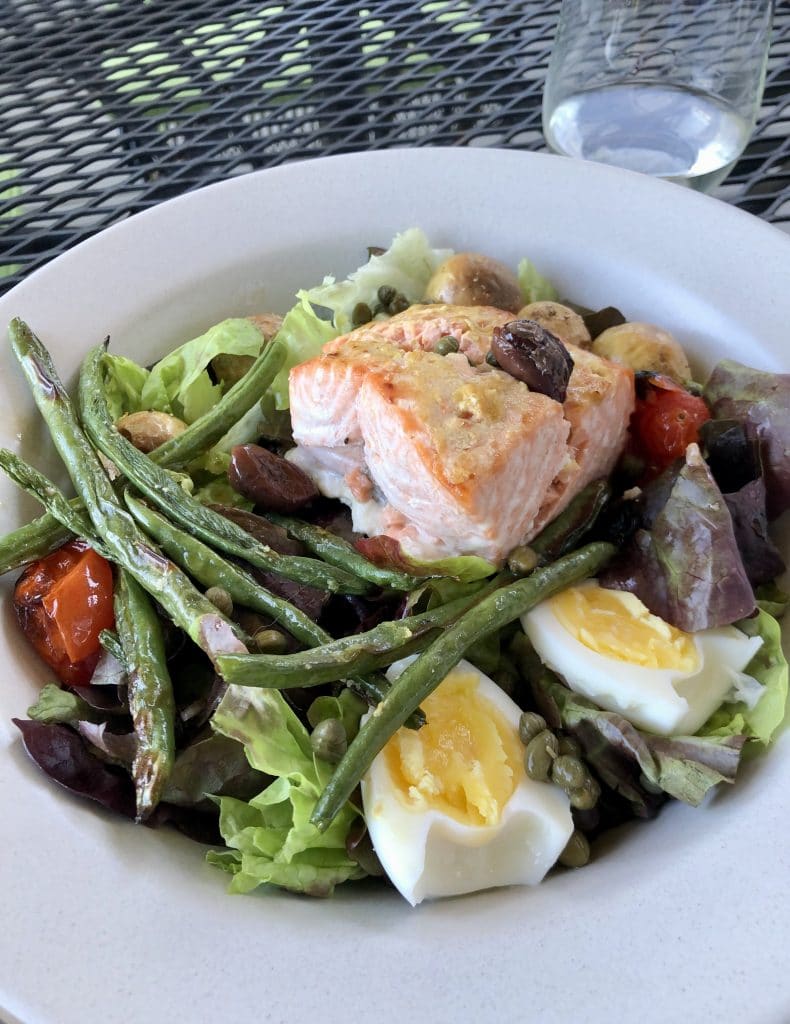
{"x": 148, "y": 430}
{"x": 563, "y": 322}
{"x": 472, "y": 279}
{"x": 643, "y": 346}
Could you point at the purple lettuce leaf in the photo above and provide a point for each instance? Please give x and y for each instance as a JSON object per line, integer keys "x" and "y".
{"x": 635, "y": 764}
{"x": 760, "y": 556}
{"x": 761, "y": 402}
{"x": 686, "y": 567}
{"x": 213, "y": 766}
{"x": 63, "y": 756}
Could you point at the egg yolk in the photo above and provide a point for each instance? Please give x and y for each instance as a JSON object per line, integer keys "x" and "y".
{"x": 463, "y": 762}
{"x": 617, "y": 624}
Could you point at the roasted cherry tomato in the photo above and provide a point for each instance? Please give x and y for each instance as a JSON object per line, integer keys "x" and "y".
{"x": 666, "y": 420}
{"x": 62, "y": 603}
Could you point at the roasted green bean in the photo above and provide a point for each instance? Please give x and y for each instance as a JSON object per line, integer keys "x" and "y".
{"x": 150, "y": 691}
{"x": 336, "y": 551}
{"x": 214, "y": 424}
{"x": 361, "y": 652}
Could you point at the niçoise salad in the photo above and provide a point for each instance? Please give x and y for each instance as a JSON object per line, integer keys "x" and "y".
{"x": 435, "y": 578}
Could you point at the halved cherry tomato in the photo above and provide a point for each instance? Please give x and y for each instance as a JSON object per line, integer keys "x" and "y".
{"x": 666, "y": 421}
{"x": 62, "y": 603}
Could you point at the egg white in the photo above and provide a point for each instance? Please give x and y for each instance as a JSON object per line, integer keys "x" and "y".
{"x": 428, "y": 854}
{"x": 668, "y": 702}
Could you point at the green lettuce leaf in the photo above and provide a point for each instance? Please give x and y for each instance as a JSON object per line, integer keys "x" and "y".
{"x": 124, "y": 381}
{"x": 461, "y": 568}
{"x": 180, "y": 384}
{"x": 57, "y": 705}
{"x": 304, "y": 334}
{"x": 534, "y": 286}
{"x": 270, "y": 837}
{"x": 768, "y": 667}
{"x": 220, "y": 492}
{"x": 407, "y": 265}
{"x": 262, "y": 420}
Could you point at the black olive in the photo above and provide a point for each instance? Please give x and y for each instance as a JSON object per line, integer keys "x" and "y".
{"x": 530, "y": 353}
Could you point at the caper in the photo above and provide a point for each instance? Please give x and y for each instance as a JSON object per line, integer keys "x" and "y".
{"x": 586, "y": 796}
{"x": 539, "y": 755}
{"x": 269, "y": 641}
{"x": 329, "y": 740}
{"x": 577, "y": 851}
{"x": 568, "y": 745}
{"x": 569, "y": 772}
{"x": 522, "y": 560}
{"x": 529, "y": 725}
{"x": 445, "y": 345}
{"x": 361, "y": 314}
{"x": 386, "y": 294}
{"x": 221, "y": 600}
{"x": 491, "y": 359}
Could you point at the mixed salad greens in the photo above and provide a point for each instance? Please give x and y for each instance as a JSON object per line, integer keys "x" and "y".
{"x": 217, "y": 655}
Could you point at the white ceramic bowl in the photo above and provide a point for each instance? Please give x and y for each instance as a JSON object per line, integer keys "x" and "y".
{"x": 687, "y": 917}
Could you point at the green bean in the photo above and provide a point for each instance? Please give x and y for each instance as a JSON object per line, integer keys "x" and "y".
{"x": 161, "y": 489}
{"x": 564, "y": 532}
{"x": 424, "y": 674}
{"x": 65, "y": 513}
{"x": 150, "y": 691}
{"x": 361, "y": 652}
{"x": 214, "y": 424}
{"x": 35, "y": 540}
{"x": 210, "y": 569}
{"x": 339, "y": 552}
{"x": 351, "y": 655}
{"x": 121, "y": 538}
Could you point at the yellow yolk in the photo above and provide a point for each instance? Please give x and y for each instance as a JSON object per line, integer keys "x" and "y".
{"x": 464, "y": 761}
{"x": 617, "y": 625}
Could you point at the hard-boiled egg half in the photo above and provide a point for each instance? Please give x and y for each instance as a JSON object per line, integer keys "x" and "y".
{"x": 608, "y": 647}
{"x": 449, "y": 807}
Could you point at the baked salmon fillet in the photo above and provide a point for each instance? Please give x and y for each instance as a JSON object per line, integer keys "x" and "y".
{"x": 445, "y": 453}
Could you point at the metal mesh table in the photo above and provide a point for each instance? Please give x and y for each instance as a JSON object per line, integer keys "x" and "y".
{"x": 107, "y": 108}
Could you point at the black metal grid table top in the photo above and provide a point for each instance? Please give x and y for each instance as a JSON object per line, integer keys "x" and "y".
{"x": 107, "y": 108}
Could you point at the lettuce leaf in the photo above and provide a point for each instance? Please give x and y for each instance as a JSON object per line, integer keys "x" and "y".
{"x": 761, "y": 402}
{"x": 180, "y": 384}
{"x": 270, "y": 837}
{"x": 685, "y": 565}
{"x": 768, "y": 667}
{"x": 534, "y": 286}
{"x": 407, "y": 265}
{"x": 57, "y": 705}
{"x": 124, "y": 381}
{"x": 629, "y": 760}
{"x": 304, "y": 334}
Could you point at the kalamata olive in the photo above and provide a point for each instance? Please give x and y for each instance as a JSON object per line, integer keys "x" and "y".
{"x": 269, "y": 480}
{"x": 530, "y": 353}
